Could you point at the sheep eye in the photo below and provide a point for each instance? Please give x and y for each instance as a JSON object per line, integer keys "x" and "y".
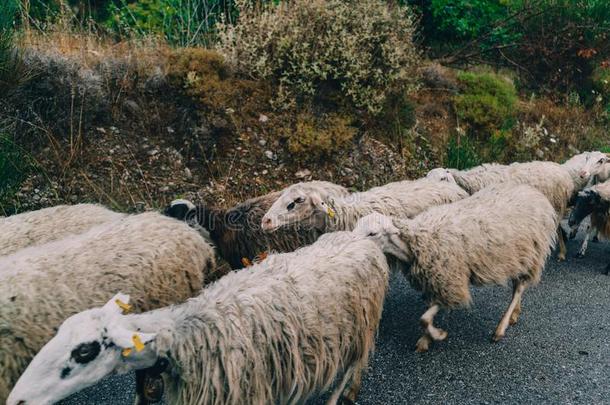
{"x": 601, "y": 160}
{"x": 290, "y": 206}
{"x": 86, "y": 352}
{"x": 372, "y": 234}
{"x": 299, "y": 200}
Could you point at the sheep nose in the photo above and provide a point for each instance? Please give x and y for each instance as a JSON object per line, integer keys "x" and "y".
{"x": 267, "y": 223}
{"x": 584, "y": 174}
{"x": 21, "y": 403}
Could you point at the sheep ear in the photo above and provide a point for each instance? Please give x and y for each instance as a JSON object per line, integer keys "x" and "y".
{"x": 319, "y": 204}
{"x": 119, "y": 304}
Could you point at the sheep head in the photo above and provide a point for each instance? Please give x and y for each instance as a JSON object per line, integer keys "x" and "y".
{"x": 588, "y": 200}
{"x": 87, "y": 347}
{"x": 382, "y": 230}
{"x": 297, "y": 204}
{"x": 588, "y": 164}
{"x": 441, "y": 174}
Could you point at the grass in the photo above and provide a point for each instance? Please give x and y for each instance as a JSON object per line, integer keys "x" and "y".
{"x": 15, "y": 165}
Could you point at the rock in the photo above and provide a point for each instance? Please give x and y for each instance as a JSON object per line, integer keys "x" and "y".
{"x": 301, "y": 174}
{"x": 132, "y": 107}
{"x": 539, "y": 153}
{"x": 262, "y": 142}
{"x": 270, "y": 155}
{"x": 265, "y": 171}
{"x": 187, "y": 173}
{"x": 263, "y": 118}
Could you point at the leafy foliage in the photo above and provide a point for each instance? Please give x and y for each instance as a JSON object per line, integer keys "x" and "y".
{"x": 487, "y": 101}
{"x": 181, "y": 22}
{"x": 309, "y": 48}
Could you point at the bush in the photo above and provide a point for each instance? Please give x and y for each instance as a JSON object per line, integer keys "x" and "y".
{"x": 362, "y": 49}
{"x": 487, "y": 101}
{"x": 180, "y": 22}
{"x": 322, "y": 135}
{"x": 9, "y": 60}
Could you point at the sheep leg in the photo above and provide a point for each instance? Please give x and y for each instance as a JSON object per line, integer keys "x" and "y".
{"x": 351, "y": 392}
{"x": 562, "y": 244}
{"x": 514, "y": 316}
{"x": 334, "y": 398}
{"x": 431, "y": 333}
{"x": 583, "y": 248}
{"x": 518, "y": 288}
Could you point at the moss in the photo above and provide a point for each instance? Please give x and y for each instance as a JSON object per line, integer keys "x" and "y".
{"x": 320, "y": 135}
{"x": 487, "y": 102}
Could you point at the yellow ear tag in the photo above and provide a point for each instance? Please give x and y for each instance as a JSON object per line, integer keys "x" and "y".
{"x": 137, "y": 343}
{"x": 246, "y": 262}
{"x": 126, "y": 352}
{"x": 125, "y": 307}
{"x": 330, "y": 212}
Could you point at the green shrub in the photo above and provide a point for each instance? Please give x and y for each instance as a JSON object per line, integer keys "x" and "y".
{"x": 487, "y": 101}
{"x": 180, "y": 22}
{"x": 9, "y": 61}
{"x": 462, "y": 153}
{"x": 361, "y": 49}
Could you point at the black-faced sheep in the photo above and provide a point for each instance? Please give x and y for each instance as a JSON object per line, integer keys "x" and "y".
{"x": 502, "y": 233}
{"x": 157, "y": 260}
{"x": 278, "y": 332}
{"x": 49, "y": 224}
{"x": 594, "y": 201}
{"x": 237, "y": 233}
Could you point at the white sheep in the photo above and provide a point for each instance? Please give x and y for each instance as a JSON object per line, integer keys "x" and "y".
{"x": 559, "y": 183}
{"x": 280, "y": 331}
{"x": 593, "y": 201}
{"x": 403, "y": 199}
{"x": 156, "y": 259}
{"x": 236, "y": 232}
{"x": 49, "y": 224}
{"x": 503, "y": 232}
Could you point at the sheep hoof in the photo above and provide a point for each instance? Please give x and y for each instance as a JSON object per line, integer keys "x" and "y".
{"x": 440, "y": 334}
{"x": 579, "y": 255}
{"x": 497, "y": 337}
{"x": 343, "y": 400}
{"x": 422, "y": 344}
{"x": 561, "y": 258}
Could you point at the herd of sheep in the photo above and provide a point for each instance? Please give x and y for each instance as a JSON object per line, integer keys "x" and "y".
{"x": 300, "y": 314}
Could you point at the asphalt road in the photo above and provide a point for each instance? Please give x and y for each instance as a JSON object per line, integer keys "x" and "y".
{"x": 558, "y": 353}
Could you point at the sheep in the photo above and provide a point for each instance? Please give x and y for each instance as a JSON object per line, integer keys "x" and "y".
{"x": 594, "y": 201}
{"x": 280, "y": 331}
{"x": 591, "y": 233}
{"x": 559, "y": 183}
{"x": 236, "y": 232}
{"x": 156, "y": 259}
{"x": 474, "y": 179}
{"x": 503, "y": 232}
{"x": 402, "y": 199}
{"x": 49, "y": 224}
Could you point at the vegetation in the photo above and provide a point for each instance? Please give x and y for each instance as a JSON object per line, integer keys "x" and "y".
{"x": 135, "y": 102}
{"x": 362, "y": 49}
